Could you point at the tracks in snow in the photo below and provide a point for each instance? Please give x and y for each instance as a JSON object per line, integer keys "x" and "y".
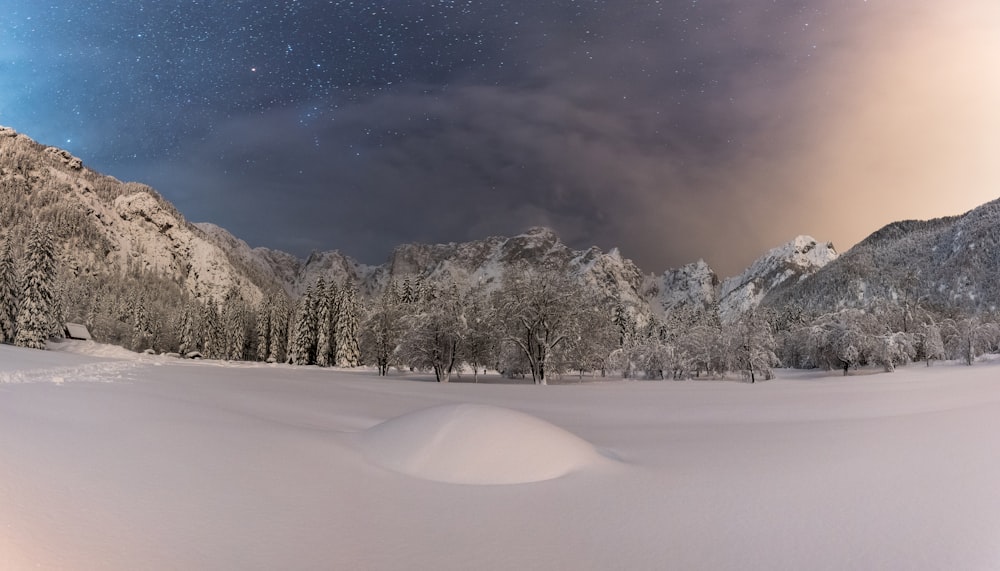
{"x": 101, "y": 372}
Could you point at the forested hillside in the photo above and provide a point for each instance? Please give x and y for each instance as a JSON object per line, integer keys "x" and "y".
{"x": 78, "y": 246}
{"x": 948, "y": 264}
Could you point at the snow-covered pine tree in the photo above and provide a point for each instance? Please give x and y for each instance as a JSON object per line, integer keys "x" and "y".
{"x": 407, "y": 293}
{"x": 264, "y": 332}
{"x": 235, "y": 324}
{"x": 141, "y": 325}
{"x": 334, "y": 298}
{"x": 324, "y": 326}
{"x": 34, "y": 316}
{"x": 419, "y": 290}
{"x": 624, "y": 322}
{"x": 290, "y": 334}
{"x": 190, "y": 329}
{"x": 302, "y": 350}
{"x": 212, "y": 331}
{"x": 279, "y": 329}
{"x": 8, "y": 292}
{"x": 348, "y": 349}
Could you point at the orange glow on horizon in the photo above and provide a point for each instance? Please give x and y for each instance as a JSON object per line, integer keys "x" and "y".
{"x": 905, "y": 122}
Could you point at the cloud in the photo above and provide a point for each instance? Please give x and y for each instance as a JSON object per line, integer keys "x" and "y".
{"x": 899, "y": 121}
{"x": 885, "y": 111}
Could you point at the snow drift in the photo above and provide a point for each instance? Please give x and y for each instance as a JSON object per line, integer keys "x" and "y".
{"x": 477, "y": 444}
{"x": 178, "y": 464}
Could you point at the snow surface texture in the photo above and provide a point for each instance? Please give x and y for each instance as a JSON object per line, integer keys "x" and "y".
{"x": 476, "y": 444}
{"x": 210, "y": 465}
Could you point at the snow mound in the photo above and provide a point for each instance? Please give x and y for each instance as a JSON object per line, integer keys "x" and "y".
{"x": 477, "y": 444}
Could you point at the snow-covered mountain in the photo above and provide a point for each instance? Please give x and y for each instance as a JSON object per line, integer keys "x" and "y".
{"x": 698, "y": 285}
{"x": 115, "y": 228}
{"x": 105, "y": 227}
{"x": 942, "y": 263}
{"x": 483, "y": 261}
{"x": 285, "y": 270}
{"x": 694, "y": 284}
{"x": 782, "y": 266}
{"x": 479, "y": 261}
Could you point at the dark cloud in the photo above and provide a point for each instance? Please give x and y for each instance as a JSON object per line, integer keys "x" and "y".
{"x": 712, "y": 129}
{"x": 612, "y": 140}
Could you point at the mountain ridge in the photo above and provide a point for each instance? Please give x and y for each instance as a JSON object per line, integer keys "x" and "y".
{"x": 128, "y": 227}
{"x": 949, "y": 263}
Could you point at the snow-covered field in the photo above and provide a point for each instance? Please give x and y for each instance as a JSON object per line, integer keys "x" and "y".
{"x": 118, "y": 462}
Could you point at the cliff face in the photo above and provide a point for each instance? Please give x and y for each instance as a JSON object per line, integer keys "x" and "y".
{"x": 785, "y": 265}
{"x": 697, "y": 284}
{"x": 102, "y": 226}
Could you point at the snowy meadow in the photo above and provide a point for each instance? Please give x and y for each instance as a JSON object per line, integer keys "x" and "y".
{"x": 111, "y": 460}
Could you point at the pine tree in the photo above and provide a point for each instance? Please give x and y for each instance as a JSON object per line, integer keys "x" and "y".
{"x": 141, "y": 326}
{"x": 8, "y": 292}
{"x": 264, "y": 327}
{"x": 407, "y": 294}
{"x": 334, "y": 297}
{"x": 212, "y": 331}
{"x": 279, "y": 330}
{"x": 190, "y": 336}
{"x": 34, "y": 317}
{"x": 302, "y": 349}
{"x": 324, "y": 323}
{"x": 235, "y": 325}
{"x": 348, "y": 350}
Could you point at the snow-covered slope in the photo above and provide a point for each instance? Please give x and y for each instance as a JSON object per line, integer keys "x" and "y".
{"x": 284, "y": 270}
{"x": 694, "y": 284}
{"x": 786, "y": 264}
{"x": 697, "y": 284}
{"x": 104, "y": 227}
{"x": 946, "y": 263}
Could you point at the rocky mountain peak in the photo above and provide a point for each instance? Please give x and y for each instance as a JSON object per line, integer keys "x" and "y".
{"x": 784, "y": 265}
{"x": 691, "y": 284}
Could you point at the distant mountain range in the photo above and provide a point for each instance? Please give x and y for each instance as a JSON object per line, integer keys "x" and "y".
{"x": 107, "y": 227}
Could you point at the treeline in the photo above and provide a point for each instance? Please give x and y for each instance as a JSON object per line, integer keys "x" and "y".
{"x": 886, "y": 334}
{"x": 692, "y": 342}
{"x": 530, "y": 322}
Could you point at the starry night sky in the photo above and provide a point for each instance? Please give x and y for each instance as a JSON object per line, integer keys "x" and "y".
{"x": 675, "y": 130}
